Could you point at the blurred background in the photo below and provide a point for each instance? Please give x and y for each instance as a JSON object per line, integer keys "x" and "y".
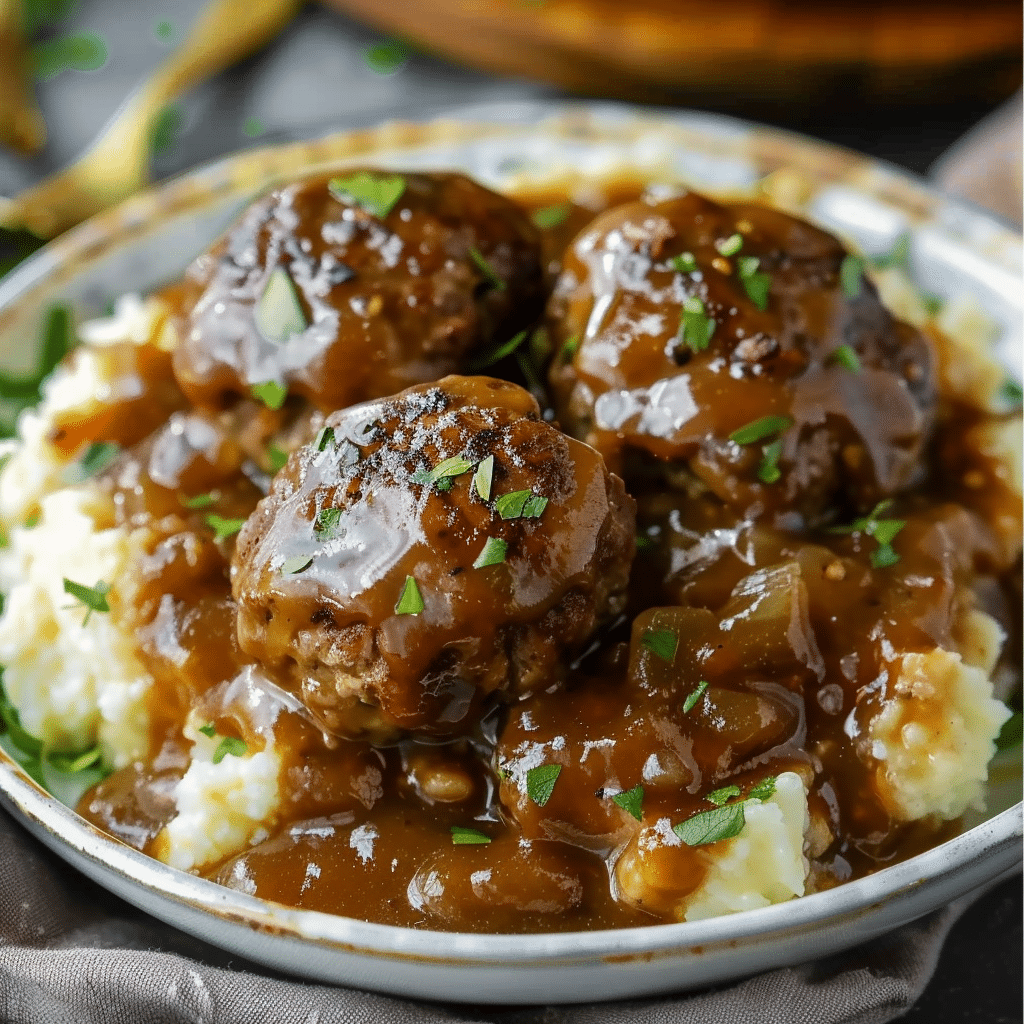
{"x": 100, "y": 97}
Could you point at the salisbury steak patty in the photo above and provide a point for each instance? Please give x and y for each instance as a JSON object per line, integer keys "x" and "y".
{"x": 427, "y": 550}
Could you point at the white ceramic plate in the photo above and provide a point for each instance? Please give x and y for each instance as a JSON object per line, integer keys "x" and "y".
{"x": 150, "y": 239}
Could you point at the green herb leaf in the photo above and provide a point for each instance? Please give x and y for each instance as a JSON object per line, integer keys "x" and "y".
{"x": 445, "y": 470}
{"x": 846, "y": 357}
{"x": 885, "y": 530}
{"x": 695, "y": 695}
{"x": 644, "y": 543}
{"x": 499, "y": 353}
{"x": 486, "y": 269}
{"x": 270, "y": 393}
{"x": 324, "y": 438}
{"x": 80, "y": 51}
{"x": 1011, "y": 733}
{"x": 387, "y": 57}
{"x": 483, "y": 477}
{"x": 540, "y": 782}
{"x": 662, "y": 643}
{"x": 411, "y": 600}
{"x": 632, "y": 801}
{"x": 19, "y": 736}
{"x": 883, "y": 556}
{"x": 723, "y": 795}
{"x": 897, "y": 256}
{"x": 685, "y": 262}
{"x": 253, "y": 128}
{"x": 1011, "y": 392}
{"x": 277, "y": 457}
{"x": 765, "y": 789}
{"x": 712, "y": 826}
{"x": 223, "y": 527}
{"x": 520, "y": 505}
{"x": 695, "y": 327}
{"x": 166, "y": 126}
{"x": 279, "y": 313}
{"x": 932, "y": 303}
{"x": 96, "y": 458}
{"x": 375, "y": 193}
{"x": 851, "y": 272}
{"x": 761, "y": 429}
{"x": 569, "y": 348}
{"x": 229, "y": 745}
{"x": 94, "y": 599}
{"x": 768, "y": 472}
{"x": 468, "y": 836}
{"x": 493, "y": 553}
{"x": 551, "y": 216}
{"x": 199, "y": 500}
{"x": 325, "y": 526}
{"x": 757, "y": 285}
{"x": 296, "y": 564}
{"x": 208, "y": 730}
{"x": 731, "y": 245}
{"x": 72, "y": 764}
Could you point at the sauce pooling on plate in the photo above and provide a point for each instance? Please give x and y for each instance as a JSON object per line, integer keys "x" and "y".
{"x": 692, "y": 604}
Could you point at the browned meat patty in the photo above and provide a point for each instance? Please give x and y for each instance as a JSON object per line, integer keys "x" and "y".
{"x": 426, "y": 551}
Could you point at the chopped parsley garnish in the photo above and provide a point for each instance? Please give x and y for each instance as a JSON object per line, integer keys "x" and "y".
{"x": 486, "y": 269}
{"x": 387, "y": 57}
{"x": 1011, "y": 392}
{"x": 932, "y": 303}
{"x": 695, "y": 695}
{"x": 768, "y": 472}
{"x": 96, "y": 458}
{"x": 483, "y": 477}
{"x": 208, "y": 730}
{"x": 324, "y": 438}
{"x": 662, "y": 643}
{"x": 644, "y": 543}
{"x": 1011, "y": 733}
{"x": 72, "y": 764}
{"x": 520, "y": 505}
{"x": 760, "y": 429}
{"x": 755, "y": 283}
{"x": 93, "y": 599}
{"x": 493, "y": 553}
{"x": 500, "y": 352}
{"x": 883, "y": 556}
{"x": 325, "y": 526}
{"x": 897, "y": 256}
{"x": 882, "y": 530}
{"x": 28, "y": 744}
{"x": 723, "y": 795}
{"x": 764, "y": 789}
{"x": 279, "y": 313}
{"x": 446, "y": 470}
{"x": 411, "y": 600}
{"x": 229, "y": 745}
{"x": 551, "y": 216}
{"x": 296, "y": 564}
{"x": 468, "y": 836}
{"x": 846, "y": 357}
{"x": 540, "y": 782}
{"x": 851, "y": 271}
{"x": 685, "y": 263}
{"x": 731, "y": 245}
{"x": 199, "y": 500}
{"x": 375, "y": 193}
{"x": 632, "y": 801}
{"x": 712, "y": 826}
{"x": 569, "y": 348}
{"x": 223, "y": 527}
{"x": 695, "y": 327}
{"x": 277, "y": 457}
{"x": 270, "y": 393}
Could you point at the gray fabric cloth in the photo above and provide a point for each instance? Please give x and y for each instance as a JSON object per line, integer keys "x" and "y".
{"x": 72, "y": 954}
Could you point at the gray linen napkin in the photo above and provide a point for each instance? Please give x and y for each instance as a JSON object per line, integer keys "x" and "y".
{"x": 70, "y": 953}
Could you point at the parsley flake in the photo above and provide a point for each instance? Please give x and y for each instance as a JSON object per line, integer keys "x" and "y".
{"x": 229, "y": 745}
{"x": 387, "y": 57}
{"x": 276, "y": 457}
{"x": 96, "y": 458}
{"x": 631, "y": 801}
{"x": 764, "y": 789}
{"x": 898, "y": 254}
{"x": 223, "y": 527}
{"x": 731, "y": 245}
{"x": 296, "y": 564}
{"x": 486, "y": 269}
{"x": 662, "y": 643}
{"x": 695, "y": 327}
{"x": 760, "y": 429}
{"x": 1011, "y": 392}
{"x": 846, "y": 357}
{"x": 500, "y": 352}
{"x": 445, "y": 470}
{"x": 551, "y": 216}
{"x": 199, "y": 500}
{"x": 468, "y": 836}
{"x": 411, "y": 600}
{"x": 569, "y": 348}
{"x": 540, "y": 782}
{"x": 883, "y": 556}
{"x": 883, "y": 530}
{"x": 755, "y": 283}
{"x": 375, "y": 193}
{"x": 768, "y": 472}
{"x": 208, "y": 730}
{"x": 324, "y": 438}
{"x": 1011, "y": 733}
{"x": 94, "y": 599}
{"x": 520, "y": 505}
{"x": 24, "y": 740}
{"x": 712, "y": 826}
{"x": 327, "y": 523}
{"x": 685, "y": 262}
{"x": 483, "y": 477}
{"x": 270, "y": 393}
{"x": 73, "y": 764}
{"x": 851, "y": 272}
{"x": 723, "y": 795}
{"x": 279, "y": 313}
{"x": 695, "y": 695}
{"x": 493, "y": 553}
